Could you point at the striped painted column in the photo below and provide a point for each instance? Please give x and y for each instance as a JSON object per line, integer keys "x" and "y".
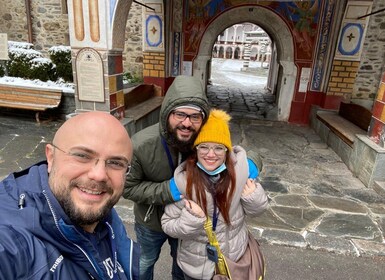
{"x": 377, "y": 124}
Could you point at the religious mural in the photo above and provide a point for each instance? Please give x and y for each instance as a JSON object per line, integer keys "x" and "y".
{"x": 301, "y": 17}
{"x": 320, "y": 56}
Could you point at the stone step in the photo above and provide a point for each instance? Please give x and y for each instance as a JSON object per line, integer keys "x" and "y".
{"x": 143, "y": 114}
{"x": 379, "y": 187}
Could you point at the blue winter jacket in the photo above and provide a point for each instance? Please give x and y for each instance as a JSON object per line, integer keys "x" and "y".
{"x": 38, "y": 241}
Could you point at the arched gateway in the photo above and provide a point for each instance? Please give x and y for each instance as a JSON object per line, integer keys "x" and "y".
{"x": 100, "y": 25}
{"x": 283, "y": 71}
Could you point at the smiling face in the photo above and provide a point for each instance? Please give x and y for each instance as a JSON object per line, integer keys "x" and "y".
{"x": 87, "y": 166}
{"x": 184, "y": 124}
{"x": 211, "y": 155}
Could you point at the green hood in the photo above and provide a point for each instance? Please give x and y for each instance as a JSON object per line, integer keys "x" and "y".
{"x": 183, "y": 91}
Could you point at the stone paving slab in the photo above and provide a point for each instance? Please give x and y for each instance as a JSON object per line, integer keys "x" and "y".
{"x": 315, "y": 201}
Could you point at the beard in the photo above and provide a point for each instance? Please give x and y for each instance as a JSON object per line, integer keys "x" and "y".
{"x": 183, "y": 146}
{"x": 78, "y": 216}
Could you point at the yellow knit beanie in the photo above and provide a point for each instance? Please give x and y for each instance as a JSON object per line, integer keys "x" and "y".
{"x": 216, "y": 129}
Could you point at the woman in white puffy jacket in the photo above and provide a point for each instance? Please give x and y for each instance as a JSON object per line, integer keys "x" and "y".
{"x": 217, "y": 181}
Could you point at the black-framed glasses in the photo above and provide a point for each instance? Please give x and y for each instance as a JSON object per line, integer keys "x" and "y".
{"x": 218, "y": 150}
{"x": 86, "y": 158}
{"x": 181, "y": 116}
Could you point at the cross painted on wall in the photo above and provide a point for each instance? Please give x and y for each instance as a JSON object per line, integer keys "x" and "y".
{"x": 154, "y": 34}
{"x": 350, "y": 37}
{"x": 350, "y": 43}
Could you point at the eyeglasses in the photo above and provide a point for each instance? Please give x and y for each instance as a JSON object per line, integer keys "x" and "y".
{"x": 194, "y": 118}
{"x": 218, "y": 150}
{"x": 86, "y": 158}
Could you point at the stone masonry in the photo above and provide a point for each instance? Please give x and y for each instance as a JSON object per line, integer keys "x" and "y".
{"x": 50, "y": 27}
{"x": 372, "y": 60}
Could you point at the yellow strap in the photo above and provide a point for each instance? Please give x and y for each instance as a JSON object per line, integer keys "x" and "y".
{"x": 221, "y": 265}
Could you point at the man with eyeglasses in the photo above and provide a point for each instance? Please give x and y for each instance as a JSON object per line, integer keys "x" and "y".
{"x": 57, "y": 219}
{"x": 158, "y": 150}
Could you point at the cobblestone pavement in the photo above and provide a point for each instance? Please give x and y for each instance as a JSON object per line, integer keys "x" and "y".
{"x": 315, "y": 202}
{"x": 242, "y": 93}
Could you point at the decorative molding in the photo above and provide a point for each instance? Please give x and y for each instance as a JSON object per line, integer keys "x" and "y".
{"x": 322, "y": 55}
{"x": 176, "y": 54}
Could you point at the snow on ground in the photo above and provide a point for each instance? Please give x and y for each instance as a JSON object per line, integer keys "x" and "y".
{"x": 223, "y": 72}
{"x": 229, "y": 72}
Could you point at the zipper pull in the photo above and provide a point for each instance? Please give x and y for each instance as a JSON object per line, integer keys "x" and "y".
{"x": 148, "y": 213}
{"x": 21, "y": 201}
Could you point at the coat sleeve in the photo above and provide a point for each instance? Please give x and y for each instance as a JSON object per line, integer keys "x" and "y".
{"x": 15, "y": 254}
{"x": 142, "y": 190}
{"x": 178, "y": 222}
{"x": 256, "y": 202}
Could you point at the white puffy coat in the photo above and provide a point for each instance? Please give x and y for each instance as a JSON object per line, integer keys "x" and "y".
{"x": 178, "y": 222}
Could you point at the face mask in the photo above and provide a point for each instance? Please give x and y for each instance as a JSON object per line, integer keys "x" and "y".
{"x": 214, "y": 172}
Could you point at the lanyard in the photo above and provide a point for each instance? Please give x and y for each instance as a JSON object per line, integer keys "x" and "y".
{"x": 215, "y": 216}
{"x": 170, "y": 162}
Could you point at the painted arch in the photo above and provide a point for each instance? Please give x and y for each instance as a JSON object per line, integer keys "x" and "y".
{"x": 119, "y": 10}
{"x": 280, "y": 34}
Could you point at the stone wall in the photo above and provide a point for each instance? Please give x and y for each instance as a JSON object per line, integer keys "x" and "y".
{"x": 372, "y": 60}
{"x": 133, "y": 49}
{"x": 49, "y": 24}
{"x": 13, "y": 20}
{"x": 50, "y": 28}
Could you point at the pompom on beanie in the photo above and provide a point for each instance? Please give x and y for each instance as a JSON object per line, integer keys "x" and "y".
{"x": 216, "y": 129}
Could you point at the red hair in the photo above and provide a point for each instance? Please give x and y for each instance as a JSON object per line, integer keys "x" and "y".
{"x": 198, "y": 182}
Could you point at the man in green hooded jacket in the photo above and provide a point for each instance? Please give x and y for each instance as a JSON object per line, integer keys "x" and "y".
{"x": 158, "y": 150}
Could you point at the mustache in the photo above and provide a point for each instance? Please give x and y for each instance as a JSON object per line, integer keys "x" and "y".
{"x": 91, "y": 185}
{"x": 185, "y": 128}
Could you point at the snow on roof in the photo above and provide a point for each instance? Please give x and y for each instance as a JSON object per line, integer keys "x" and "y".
{"x": 61, "y": 85}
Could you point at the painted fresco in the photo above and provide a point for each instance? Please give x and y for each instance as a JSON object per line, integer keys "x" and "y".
{"x": 323, "y": 41}
{"x": 87, "y": 22}
{"x": 301, "y": 17}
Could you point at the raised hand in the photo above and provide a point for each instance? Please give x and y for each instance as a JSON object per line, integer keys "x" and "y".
{"x": 194, "y": 208}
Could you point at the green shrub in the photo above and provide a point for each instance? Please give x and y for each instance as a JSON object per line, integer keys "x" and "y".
{"x": 19, "y": 63}
{"x": 2, "y": 70}
{"x": 128, "y": 78}
{"x": 25, "y": 62}
{"x": 42, "y": 69}
{"x": 61, "y": 56}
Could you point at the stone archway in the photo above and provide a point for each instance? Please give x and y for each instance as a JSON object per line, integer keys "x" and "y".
{"x": 280, "y": 34}
{"x": 119, "y": 24}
